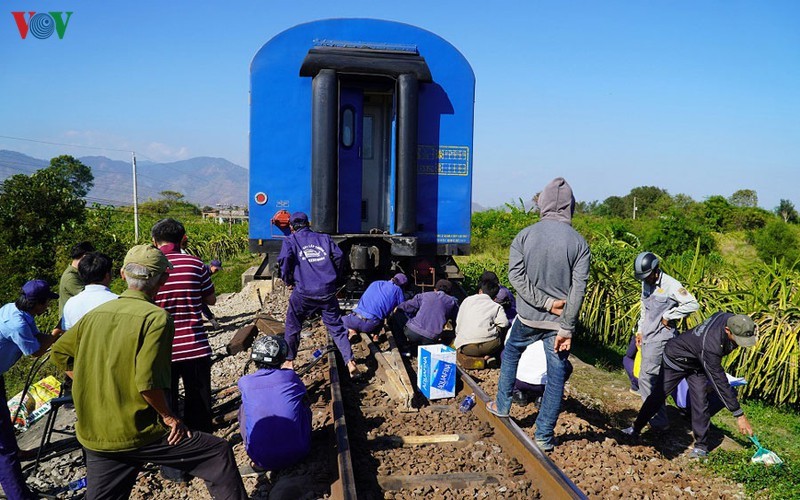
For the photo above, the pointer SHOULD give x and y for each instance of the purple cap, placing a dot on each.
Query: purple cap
(215, 263)
(38, 290)
(400, 279)
(298, 218)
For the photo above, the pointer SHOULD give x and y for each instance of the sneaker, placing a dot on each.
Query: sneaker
(698, 454)
(630, 431)
(545, 446)
(634, 391)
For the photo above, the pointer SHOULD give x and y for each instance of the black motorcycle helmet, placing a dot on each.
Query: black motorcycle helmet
(644, 265)
(269, 350)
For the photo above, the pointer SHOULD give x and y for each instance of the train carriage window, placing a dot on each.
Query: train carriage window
(367, 140)
(348, 127)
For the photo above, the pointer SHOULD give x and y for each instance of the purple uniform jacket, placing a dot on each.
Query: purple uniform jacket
(380, 298)
(310, 261)
(431, 311)
(275, 420)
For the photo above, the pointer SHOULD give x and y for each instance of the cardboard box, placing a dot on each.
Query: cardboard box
(436, 371)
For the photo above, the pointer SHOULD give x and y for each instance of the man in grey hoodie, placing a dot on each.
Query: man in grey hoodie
(548, 267)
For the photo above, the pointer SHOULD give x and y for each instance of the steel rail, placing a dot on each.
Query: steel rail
(344, 487)
(551, 481)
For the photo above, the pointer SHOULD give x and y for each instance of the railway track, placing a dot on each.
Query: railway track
(392, 444)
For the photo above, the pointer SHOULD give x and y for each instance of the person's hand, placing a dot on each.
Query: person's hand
(638, 340)
(562, 344)
(177, 430)
(288, 364)
(558, 307)
(744, 426)
(57, 332)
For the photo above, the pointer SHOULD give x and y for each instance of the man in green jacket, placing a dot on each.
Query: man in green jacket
(120, 357)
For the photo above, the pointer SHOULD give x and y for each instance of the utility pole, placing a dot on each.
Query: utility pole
(135, 201)
(634, 208)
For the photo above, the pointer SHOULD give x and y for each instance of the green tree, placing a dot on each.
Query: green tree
(36, 212)
(787, 211)
(651, 201)
(775, 241)
(170, 203)
(744, 198)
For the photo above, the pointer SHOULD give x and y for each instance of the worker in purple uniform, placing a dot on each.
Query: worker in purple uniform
(274, 419)
(378, 301)
(697, 356)
(421, 319)
(309, 263)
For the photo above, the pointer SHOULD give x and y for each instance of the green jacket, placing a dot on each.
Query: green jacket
(116, 351)
(69, 286)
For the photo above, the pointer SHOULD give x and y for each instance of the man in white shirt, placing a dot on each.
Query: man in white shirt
(95, 270)
(479, 322)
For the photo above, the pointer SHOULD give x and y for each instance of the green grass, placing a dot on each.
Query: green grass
(229, 279)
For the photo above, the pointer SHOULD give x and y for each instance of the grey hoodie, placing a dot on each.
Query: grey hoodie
(548, 261)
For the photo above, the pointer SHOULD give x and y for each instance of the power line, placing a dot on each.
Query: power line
(64, 144)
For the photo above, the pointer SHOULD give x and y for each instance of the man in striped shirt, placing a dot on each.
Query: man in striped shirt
(189, 287)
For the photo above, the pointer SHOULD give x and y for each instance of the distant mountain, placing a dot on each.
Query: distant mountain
(476, 207)
(202, 180)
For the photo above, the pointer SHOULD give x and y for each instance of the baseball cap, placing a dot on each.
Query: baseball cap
(743, 330)
(38, 290)
(215, 263)
(400, 279)
(149, 257)
(298, 218)
(444, 286)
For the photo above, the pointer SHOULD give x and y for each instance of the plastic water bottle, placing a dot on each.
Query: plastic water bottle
(78, 484)
(467, 404)
(318, 353)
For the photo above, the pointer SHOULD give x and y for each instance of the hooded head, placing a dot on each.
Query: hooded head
(556, 201)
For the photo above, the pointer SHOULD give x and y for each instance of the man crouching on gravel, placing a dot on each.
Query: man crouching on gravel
(120, 356)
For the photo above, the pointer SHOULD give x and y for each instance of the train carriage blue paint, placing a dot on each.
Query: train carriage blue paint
(280, 128)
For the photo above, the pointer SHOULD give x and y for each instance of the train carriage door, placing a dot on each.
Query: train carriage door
(364, 160)
(375, 155)
(350, 164)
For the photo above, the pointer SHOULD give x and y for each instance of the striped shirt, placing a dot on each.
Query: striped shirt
(182, 297)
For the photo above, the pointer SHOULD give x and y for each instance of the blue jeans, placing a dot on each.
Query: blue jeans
(519, 338)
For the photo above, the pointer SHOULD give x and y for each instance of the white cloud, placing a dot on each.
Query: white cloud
(163, 153)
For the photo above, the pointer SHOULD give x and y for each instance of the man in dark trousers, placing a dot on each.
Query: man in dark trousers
(697, 355)
(310, 263)
(548, 266)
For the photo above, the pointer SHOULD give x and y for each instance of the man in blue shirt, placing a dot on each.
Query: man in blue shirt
(421, 319)
(274, 419)
(378, 301)
(309, 263)
(19, 335)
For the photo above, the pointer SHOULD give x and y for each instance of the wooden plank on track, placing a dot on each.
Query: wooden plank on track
(430, 439)
(403, 391)
(550, 480)
(457, 480)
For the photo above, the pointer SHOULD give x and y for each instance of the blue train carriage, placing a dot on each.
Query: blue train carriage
(366, 125)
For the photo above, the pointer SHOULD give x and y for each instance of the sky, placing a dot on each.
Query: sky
(696, 97)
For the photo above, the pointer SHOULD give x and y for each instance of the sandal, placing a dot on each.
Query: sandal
(491, 407)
